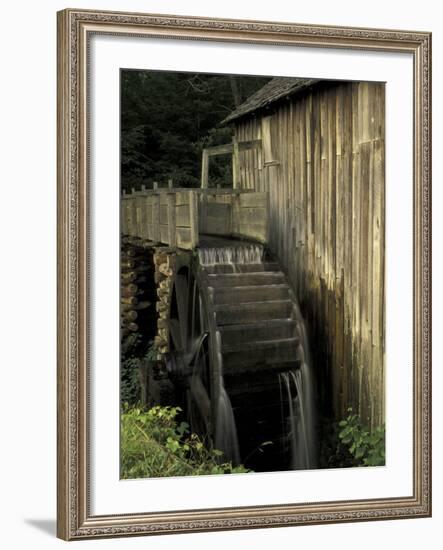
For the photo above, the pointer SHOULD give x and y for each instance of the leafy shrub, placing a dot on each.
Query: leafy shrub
(129, 368)
(129, 386)
(154, 444)
(367, 448)
(152, 353)
(332, 452)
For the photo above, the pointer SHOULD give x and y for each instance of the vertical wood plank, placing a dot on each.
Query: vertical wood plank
(236, 180)
(326, 224)
(193, 218)
(123, 216)
(156, 218)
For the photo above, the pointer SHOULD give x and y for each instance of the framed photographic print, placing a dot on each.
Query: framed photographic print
(244, 274)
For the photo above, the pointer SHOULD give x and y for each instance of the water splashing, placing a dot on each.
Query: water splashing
(225, 430)
(233, 256)
(300, 399)
(296, 388)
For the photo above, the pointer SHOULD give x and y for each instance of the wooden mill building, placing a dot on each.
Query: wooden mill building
(317, 149)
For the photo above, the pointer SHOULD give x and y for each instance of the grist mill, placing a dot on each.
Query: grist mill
(265, 300)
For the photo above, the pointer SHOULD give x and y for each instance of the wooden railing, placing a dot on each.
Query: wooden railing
(232, 149)
(176, 217)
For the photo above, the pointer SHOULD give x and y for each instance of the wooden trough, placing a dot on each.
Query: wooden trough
(177, 217)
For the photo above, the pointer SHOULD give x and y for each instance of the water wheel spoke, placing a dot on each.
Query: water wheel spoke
(194, 311)
(196, 350)
(176, 334)
(182, 299)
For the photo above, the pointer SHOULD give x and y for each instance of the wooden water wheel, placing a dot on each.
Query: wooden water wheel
(189, 358)
(232, 329)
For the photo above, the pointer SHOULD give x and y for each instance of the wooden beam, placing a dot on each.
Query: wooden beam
(205, 169)
(193, 216)
(235, 165)
(225, 149)
(155, 219)
(250, 144)
(171, 219)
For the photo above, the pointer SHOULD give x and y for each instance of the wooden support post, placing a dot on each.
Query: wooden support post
(155, 186)
(205, 169)
(193, 218)
(235, 214)
(172, 238)
(202, 211)
(143, 202)
(132, 218)
(138, 216)
(155, 218)
(123, 217)
(235, 165)
(170, 184)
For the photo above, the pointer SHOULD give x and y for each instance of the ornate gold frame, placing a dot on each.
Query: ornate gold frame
(74, 518)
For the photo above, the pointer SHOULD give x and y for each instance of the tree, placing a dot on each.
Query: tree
(167, 118)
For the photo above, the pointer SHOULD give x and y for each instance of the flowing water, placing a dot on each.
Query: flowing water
(300, 420)
(300, 417)
(226, 429)
(296, 389)
(233, 256)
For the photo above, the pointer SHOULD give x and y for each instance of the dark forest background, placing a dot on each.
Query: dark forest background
(168, 118)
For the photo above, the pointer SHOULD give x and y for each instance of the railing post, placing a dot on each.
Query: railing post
(123, 215)
(138, 216)
(172, 237)
(193, 217)
(132, 217)
(205, 169)
(156, 218)
(143, 201)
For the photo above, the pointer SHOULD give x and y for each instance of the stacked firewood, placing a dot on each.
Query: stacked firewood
(164, 270)
(136, 292)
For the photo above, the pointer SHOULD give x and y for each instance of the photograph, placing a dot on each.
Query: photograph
(252, 274)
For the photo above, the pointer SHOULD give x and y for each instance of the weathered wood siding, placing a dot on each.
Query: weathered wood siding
(166, 217)
(322, 162)
(242, 215)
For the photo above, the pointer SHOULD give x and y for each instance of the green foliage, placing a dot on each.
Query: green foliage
(367, 448)
(166, 120)
(155, 444)
(152, 353)
(129, 368)
(130, 344)
(129, 381)
(333, 453)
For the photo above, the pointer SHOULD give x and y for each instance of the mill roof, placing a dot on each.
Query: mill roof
(274, 90)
